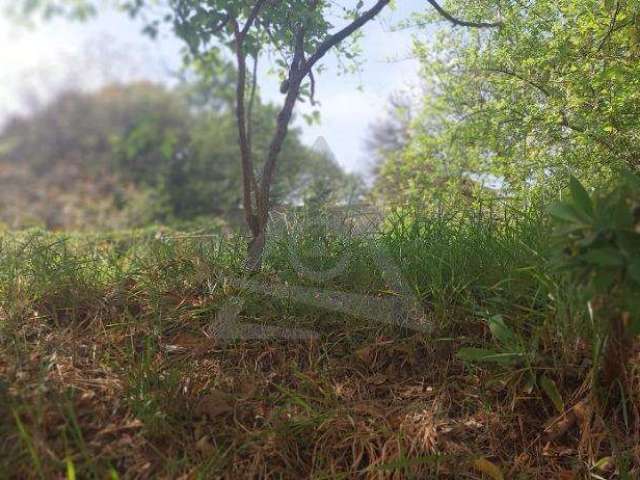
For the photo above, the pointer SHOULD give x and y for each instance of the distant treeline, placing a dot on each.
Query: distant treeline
(130, 155)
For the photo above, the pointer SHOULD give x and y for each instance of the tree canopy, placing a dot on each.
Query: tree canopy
(126, 140)
(554, 91)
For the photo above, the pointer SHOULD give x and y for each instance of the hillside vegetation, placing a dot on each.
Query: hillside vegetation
(131, 155)
(112, 366)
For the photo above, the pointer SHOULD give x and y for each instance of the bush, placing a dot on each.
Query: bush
(599, 239)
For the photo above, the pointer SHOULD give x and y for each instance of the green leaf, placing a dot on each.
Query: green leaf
(472, 355)
(71, 470)
(632, 179)
(629, 242)
(604, 257)
(502, 333)
(581, 197)
(588, 240)
(620, 214)
(604, 464)
(603, 280)
(529, 384)
(551, 389)
(568, 213)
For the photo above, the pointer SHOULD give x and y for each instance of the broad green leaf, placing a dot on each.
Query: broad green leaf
(71, 470)
(529, 384)
(471, 355)
(551, 389)
(568, 229)
(620, 214)
(629, 241)
(604, 257)
(604, 464)
(633, 179)
(588, 240)
(581, 197)
(603, 280)
(568, 213)
(502, 333)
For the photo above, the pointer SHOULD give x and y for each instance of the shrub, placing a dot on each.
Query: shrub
(598, 236)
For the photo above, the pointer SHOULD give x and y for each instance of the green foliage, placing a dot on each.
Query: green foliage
(555, 89)
(551, 389)
(512, 349)
(485, 285)
(204, 26)
(143, 153)
(599, 236)
(74, 9)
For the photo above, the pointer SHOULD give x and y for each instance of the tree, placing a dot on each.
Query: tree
(552, 92)
(387, 139)
(301, 34)
(144, 153)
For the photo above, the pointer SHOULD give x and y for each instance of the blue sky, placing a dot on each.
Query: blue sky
(37, 61)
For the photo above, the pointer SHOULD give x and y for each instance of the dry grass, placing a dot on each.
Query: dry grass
(117, 398)
(122, 378)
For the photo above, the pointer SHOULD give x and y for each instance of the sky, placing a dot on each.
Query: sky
(37, 61)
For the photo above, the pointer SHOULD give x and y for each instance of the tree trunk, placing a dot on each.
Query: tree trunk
(255, 250)
(260, 221)
(248, 180)
(299, 69)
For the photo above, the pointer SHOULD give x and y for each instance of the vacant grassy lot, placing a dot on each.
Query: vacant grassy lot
(112, 364)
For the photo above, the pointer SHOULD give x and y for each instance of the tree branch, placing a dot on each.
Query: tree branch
(513, 74)
(565, 121)
(297, 64)
(252, 99)
(296, 74)
(462, 23)
(335, 39)
(223, 22)
(248, 176)
(612, 26)
(298, 71)
(251, 18)
(312, 93)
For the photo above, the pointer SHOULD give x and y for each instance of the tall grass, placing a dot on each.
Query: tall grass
(460, 267)
(138, 293)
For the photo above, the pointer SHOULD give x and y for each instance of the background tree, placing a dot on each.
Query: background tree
(387, 138)
(131, 154)
(552, 92)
